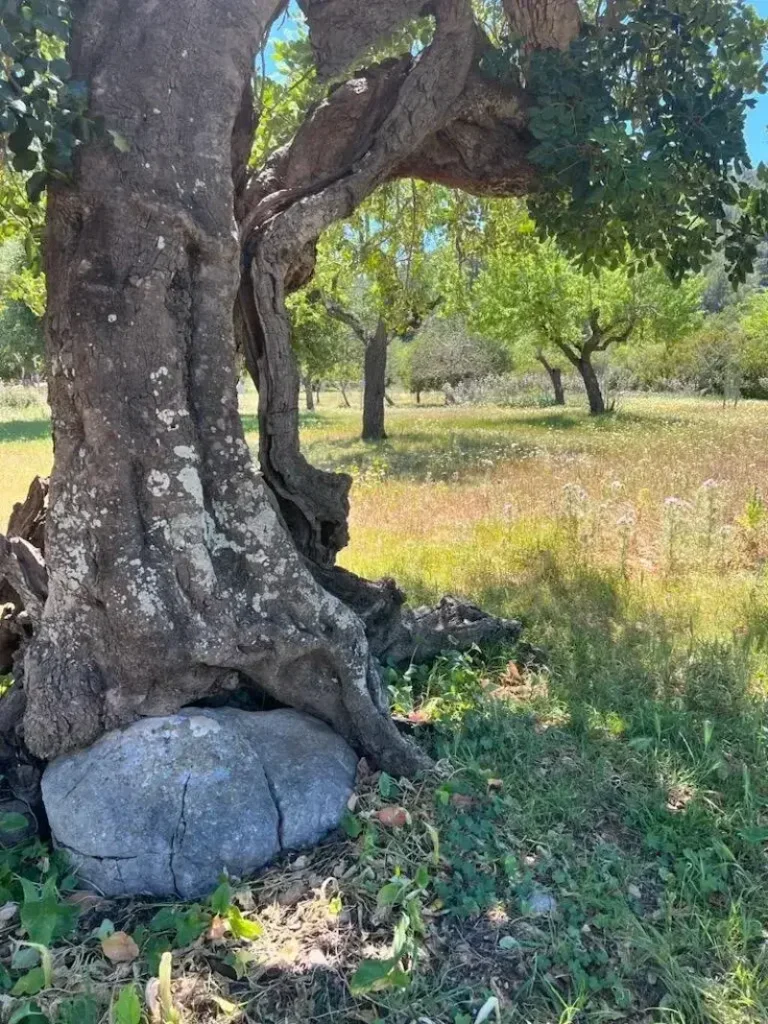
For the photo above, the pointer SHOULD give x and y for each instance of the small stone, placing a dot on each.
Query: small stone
(540, 902)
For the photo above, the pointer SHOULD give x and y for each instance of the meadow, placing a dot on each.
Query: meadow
(592, 846)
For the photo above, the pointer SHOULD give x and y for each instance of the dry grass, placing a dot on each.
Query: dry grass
(622, 774)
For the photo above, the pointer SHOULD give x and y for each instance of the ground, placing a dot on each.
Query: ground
(593, 845)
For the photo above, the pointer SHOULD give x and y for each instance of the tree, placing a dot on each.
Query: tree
(173, 572)
(532, 294)
(324, 348)
(381, 266)
(444, 353)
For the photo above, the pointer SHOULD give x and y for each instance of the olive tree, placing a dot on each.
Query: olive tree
(174, 570)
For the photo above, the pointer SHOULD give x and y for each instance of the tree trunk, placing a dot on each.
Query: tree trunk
(556, 378)
(309, 395)
(389, 401)
(555, 375)
(591, 385)
(418, 397)
(375, 384)
(345, 399)
(171, 575)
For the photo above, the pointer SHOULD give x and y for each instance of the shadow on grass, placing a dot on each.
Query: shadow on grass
(25, 430)
(417, 455)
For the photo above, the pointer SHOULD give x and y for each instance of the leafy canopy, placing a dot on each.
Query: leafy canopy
(534, 297)
(640, 132)
(42, 110)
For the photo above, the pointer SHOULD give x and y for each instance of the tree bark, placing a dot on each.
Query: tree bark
(375, 384)
(555, 375)
(171, 574)
(591, 385)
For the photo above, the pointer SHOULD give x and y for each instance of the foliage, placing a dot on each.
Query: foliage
(42, 110)
(445, 352)
(641, 113)
(325, 349)
(531, 296)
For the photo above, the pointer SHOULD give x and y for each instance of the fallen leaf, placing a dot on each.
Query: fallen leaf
(352, 802)
(463, 801)
(419, 717)
(8, 912)
(119, 948)
(218, 929)
(393, 817)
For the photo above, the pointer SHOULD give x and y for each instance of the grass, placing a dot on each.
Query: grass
(593, 845)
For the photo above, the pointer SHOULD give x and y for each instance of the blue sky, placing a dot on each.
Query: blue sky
(757, 119)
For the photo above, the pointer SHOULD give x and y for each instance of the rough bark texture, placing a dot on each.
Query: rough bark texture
(375, 384)
(591, 386)
(170, 571)
(23, 578)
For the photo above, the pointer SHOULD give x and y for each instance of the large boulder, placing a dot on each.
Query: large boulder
(164, 806)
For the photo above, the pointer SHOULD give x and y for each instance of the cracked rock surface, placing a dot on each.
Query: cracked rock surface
(164, 806)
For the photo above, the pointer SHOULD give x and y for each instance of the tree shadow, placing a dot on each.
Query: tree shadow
(25, 430)
(416, 455)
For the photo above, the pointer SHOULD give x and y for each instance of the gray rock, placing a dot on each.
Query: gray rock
(164, 806)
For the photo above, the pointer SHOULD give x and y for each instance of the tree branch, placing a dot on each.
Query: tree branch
(338, 312)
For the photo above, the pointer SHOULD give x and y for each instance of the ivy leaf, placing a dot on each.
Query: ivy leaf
(30, 984)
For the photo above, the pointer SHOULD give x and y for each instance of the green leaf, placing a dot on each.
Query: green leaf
(80, 1010)
(389, 894)
(351, 825)
(755, 835)
(242, 927)
(60, 68)
(36, 185)
(221, 899)
(26, 160)
(42, 916)
(13, 822)
(28, 1013)
(127, 1007)
(30, 984)
(375, 975)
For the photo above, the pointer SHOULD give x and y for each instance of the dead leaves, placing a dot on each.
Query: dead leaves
(119, 948)
(393, 816)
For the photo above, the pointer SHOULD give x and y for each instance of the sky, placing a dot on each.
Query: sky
(757, 119)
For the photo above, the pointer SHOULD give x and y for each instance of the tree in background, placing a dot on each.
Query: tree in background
(380, 266)
(325, 349)
(531, 295)
(444, 353)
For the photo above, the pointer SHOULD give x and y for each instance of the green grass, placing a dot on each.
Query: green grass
(611, 772)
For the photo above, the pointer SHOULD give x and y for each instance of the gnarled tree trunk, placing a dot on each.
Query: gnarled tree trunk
(375, 384)
(171, 574)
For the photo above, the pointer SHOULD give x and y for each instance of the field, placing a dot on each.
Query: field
(593, 844)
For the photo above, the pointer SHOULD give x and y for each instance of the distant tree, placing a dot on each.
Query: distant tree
(532, 296)
(326, 350)
(445, 353)
(377, 276)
